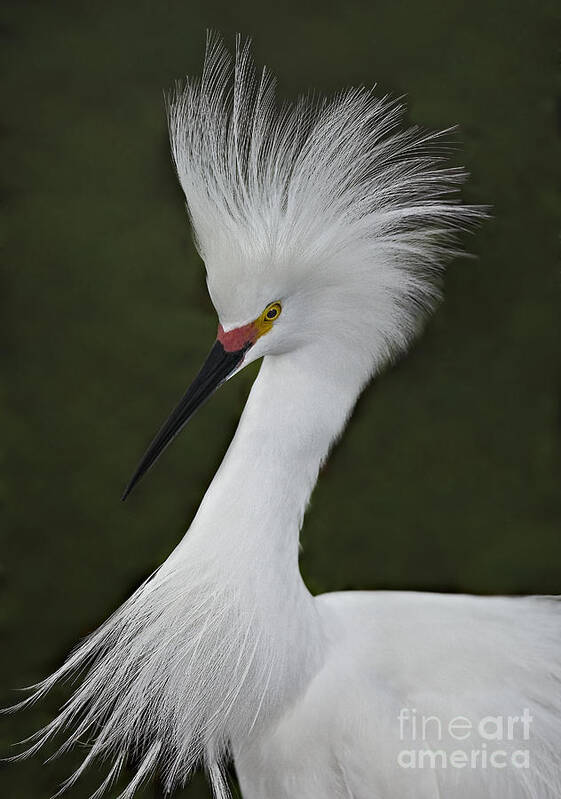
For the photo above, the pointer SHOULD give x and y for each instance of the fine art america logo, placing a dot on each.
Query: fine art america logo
(431, 742)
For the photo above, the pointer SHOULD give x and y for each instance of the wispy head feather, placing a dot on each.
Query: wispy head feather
(332, 191)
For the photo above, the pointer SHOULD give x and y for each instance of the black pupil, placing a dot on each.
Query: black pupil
(272, 313)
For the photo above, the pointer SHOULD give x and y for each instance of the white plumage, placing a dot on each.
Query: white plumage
(335, 213)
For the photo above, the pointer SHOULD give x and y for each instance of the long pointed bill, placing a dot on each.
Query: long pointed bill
(219, 365)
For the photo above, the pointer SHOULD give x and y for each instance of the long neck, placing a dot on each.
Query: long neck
(256, 502)
(249, 521)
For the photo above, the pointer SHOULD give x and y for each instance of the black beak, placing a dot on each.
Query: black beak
(215, 370)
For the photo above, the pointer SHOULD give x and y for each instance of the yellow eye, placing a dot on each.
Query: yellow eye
(264, 322)
(272, 311)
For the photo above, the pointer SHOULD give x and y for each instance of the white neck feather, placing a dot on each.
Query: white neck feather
(225, 632)
(246, 531)
(254, 507)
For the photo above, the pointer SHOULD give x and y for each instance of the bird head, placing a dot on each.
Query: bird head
(323, 224)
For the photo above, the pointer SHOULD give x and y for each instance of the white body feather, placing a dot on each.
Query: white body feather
(224, 651)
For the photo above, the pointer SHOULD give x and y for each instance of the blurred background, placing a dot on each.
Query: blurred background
(449, 476)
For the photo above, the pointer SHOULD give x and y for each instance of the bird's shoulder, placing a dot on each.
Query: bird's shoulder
(413, 639)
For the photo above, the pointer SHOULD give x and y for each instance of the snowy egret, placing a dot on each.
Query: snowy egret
(323, 226)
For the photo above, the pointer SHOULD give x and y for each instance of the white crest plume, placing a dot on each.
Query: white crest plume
(329, 189)
(334, 191)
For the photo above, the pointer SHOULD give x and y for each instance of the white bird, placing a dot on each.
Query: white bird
(323, 226)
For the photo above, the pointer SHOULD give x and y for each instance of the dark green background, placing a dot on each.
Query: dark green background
(449, 475)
